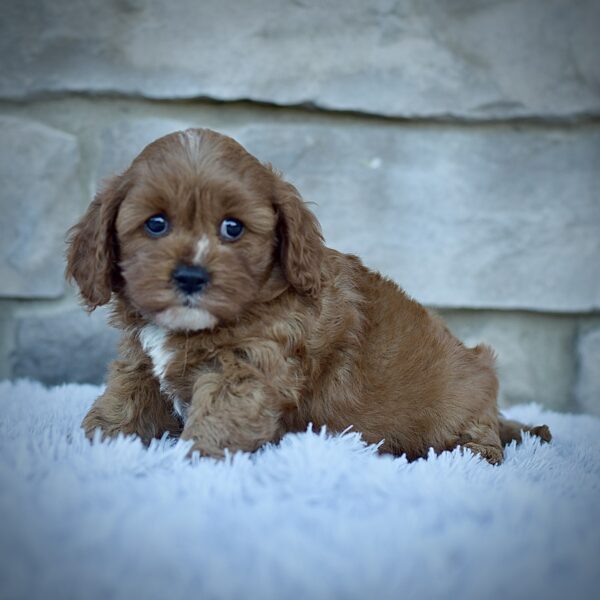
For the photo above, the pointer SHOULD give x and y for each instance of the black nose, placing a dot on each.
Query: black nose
(190, 279)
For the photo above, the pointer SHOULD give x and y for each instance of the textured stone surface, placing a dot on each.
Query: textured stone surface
(535, 359)
(38, 199)
(120, 144)
(491, 217)
(534, 353)
(468, 58)
(68, 346)
(6, 337)
(587, 390)
(483, 217)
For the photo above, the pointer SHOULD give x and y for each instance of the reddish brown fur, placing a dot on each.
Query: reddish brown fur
(296, 332)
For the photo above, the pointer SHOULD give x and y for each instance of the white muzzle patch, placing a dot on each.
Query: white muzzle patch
(183, 318)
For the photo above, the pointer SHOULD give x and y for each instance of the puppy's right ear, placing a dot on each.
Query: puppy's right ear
(92, 253)
(300, 239)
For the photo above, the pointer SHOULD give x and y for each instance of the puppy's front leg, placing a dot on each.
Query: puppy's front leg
(239, 407)
(131, 404)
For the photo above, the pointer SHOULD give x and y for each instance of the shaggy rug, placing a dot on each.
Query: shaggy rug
(316, 516)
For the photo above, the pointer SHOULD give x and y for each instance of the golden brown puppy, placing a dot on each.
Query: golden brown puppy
(239, 325)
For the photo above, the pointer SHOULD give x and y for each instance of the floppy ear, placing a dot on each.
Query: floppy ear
(300, 240)
(92, 252)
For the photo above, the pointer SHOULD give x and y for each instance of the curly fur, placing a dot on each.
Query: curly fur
(288, 332)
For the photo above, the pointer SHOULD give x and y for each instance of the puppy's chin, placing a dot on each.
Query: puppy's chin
(183, 318)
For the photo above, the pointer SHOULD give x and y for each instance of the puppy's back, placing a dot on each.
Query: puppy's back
(420, 384)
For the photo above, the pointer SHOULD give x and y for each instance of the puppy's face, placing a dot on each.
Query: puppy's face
(197, 239)
(191, 233)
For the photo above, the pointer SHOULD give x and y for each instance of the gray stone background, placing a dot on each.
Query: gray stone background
(454, 145)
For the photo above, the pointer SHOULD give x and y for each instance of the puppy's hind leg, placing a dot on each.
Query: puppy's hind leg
(510, 430)
(482, 438)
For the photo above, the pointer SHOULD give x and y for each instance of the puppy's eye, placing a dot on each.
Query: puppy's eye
(231, 229)
(157, 226)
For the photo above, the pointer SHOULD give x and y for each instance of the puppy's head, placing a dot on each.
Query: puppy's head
(191, 234)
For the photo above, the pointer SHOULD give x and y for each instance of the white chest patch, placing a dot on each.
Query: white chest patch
(153, 340)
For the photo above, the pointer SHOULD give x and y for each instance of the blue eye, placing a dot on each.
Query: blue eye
(231, 229)
(157, 226)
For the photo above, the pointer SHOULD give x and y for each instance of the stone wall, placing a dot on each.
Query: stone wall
(455, 146)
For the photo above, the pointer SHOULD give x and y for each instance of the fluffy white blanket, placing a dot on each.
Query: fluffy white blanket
(313, 517)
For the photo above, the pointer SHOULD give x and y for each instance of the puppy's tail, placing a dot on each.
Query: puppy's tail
(510, 430)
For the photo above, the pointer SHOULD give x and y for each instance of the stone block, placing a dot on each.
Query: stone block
(6, 337)
(534, 352)
(121, 143)
(407, 58)
(496, 217)
(38, 201)
(587, 389)
(482, 217)
(71, 346)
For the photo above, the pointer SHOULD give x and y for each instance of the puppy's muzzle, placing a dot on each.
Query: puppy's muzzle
(189, 279)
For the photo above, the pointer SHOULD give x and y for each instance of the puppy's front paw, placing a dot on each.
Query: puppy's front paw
(92, 422)
(493, 454)
(203, 451)
(212, 437)
(206, 440)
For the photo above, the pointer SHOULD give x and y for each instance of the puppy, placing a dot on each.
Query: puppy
(240, 325)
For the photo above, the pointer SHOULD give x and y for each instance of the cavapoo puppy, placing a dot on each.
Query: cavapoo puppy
(240, 325)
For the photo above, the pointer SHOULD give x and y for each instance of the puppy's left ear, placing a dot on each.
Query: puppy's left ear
(300, 240)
